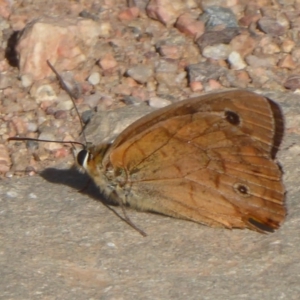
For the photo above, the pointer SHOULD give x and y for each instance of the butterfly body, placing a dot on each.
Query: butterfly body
(208, 159)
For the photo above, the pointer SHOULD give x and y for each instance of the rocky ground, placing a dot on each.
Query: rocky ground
(134, 56)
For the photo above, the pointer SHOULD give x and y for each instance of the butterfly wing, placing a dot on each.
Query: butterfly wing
(207, 159)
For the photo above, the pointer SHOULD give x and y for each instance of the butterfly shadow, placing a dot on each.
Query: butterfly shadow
(84, 185)
(77, 181)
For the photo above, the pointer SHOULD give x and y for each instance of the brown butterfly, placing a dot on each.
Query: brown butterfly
(208, 159)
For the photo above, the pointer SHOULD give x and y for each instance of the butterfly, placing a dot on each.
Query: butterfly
(209, 159)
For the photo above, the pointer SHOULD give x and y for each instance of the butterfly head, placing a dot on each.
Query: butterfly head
(90, 157)
(82, 158)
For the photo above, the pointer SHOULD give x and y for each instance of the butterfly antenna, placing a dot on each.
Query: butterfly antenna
(47, 141)
(71, 95)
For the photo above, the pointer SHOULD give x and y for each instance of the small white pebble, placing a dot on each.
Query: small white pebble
(157, 102)
(65, 105)
(236, 61)
(31, 126)
(94, 78)
(32, 196)
(26, 80)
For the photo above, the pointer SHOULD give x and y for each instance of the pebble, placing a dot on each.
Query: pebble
(94, 78)
(43, 93)
(139, 93)
(129, 14)
(167, 78)
(236, 61)
(165, 11)
(271, 26)
(157, 102)
(5, 10)
(65, 104)
(60, 40)
(93, 99)
(166, 66)
(218, 15)
(204, 71)
(217, 52)
(264, 61)
(259, 75)
(196, 86)
(268, 45)
(107, 62)
(140, 73)
(105, 29)
(170, 51)
(288, 45)
(287, 62)
(181, 78)
(243, 44)
(189, 26)
(26, 80)
(292, 82)
(60, 114)
(211, 38)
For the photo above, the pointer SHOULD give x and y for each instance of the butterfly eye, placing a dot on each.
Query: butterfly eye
(82, 157)
(232, 117)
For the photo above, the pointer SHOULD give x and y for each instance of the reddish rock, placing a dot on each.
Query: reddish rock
(243, 44)
(287, 62)
(129, 14)
(196, 86)
(65, 43)
(213, 85)
(170, 51)
(188, 25)
(108, 62)
(165, 11)
(5, 8)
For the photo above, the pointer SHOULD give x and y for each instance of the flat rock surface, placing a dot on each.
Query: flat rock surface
(57, 243)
